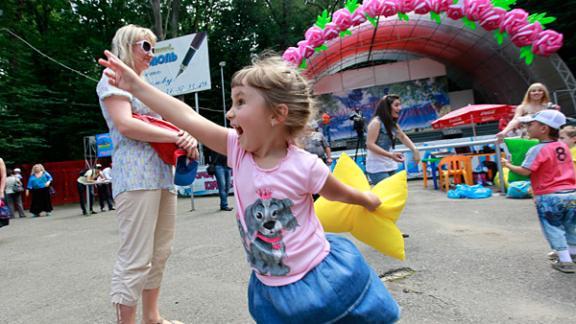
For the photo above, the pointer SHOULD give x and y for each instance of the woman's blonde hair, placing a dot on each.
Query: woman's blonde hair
(279, 84)
(38, 166)
(126, 37)
(545, 98)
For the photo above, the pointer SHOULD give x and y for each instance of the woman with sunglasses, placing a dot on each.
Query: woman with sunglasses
(142, 185)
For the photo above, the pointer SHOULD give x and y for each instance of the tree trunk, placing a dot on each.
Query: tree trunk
(174, 18)
(157, 14)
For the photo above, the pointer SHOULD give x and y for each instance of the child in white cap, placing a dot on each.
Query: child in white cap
(549, 165)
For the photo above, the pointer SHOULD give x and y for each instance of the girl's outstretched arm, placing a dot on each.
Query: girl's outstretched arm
(337, 191)
(172, 109)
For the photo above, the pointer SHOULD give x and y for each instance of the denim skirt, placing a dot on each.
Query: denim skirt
(341, 289)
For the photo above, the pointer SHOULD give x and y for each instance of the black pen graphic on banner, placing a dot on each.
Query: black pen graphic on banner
(194, 46)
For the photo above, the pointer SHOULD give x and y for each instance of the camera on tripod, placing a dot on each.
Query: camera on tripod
(357, 122)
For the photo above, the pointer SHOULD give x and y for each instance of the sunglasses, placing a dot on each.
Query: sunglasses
(146, 46)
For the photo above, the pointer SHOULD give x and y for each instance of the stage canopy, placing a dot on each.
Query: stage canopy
(473, 58)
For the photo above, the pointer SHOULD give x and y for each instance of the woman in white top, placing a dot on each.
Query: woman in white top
(383, 130)
(537, 98)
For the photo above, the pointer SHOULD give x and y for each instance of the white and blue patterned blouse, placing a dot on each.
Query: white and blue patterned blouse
(136, 164)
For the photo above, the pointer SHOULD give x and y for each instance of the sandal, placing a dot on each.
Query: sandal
(566, 267)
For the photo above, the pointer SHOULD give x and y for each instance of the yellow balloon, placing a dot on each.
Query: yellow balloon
(378, 228)
(505, 172)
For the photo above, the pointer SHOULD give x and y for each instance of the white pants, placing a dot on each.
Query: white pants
(146, 224)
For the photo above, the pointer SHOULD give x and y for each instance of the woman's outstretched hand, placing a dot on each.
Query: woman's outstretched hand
(120, 75)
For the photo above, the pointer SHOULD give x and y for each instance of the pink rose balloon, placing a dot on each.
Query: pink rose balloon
(389, 8)
(439, 6)
(373, 7)
(292, 56)
(423, 7)
(526, 34)
(315, 36)
(406, 6)
(473, 8)
(513, 20)
(331, 30)
(358, 16)
(492, 18)
(455, 12)
(547, 43)
(306, 50)
(342, 18)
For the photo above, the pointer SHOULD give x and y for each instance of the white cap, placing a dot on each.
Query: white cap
(549, 117)
(98, 166)
(17, 170)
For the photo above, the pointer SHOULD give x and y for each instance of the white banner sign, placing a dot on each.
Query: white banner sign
(181, 65)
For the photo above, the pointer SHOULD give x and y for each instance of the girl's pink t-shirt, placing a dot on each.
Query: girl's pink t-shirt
(280, 232)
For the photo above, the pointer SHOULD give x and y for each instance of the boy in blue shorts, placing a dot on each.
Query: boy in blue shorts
(549, 165)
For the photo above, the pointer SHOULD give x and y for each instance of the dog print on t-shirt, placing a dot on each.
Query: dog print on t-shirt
(266, 221)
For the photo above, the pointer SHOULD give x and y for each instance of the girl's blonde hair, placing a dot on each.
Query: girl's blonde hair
(126, 37)
(569, 130)
(545, 98)
(279, 84)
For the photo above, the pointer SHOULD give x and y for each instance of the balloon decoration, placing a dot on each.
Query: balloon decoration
(378, 228)
(528, 32)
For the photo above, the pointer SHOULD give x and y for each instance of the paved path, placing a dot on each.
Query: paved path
(480, 261)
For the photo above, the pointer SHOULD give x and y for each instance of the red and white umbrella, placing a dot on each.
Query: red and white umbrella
(474, 114)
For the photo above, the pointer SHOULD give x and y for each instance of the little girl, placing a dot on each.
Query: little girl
(300, 274)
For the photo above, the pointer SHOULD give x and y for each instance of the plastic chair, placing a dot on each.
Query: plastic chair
(457, 167)
(432, 162)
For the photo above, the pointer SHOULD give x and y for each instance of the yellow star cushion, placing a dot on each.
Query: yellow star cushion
(378, 228)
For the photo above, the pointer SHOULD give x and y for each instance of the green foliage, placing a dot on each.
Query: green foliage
(469, 23)
(351, 5)
(403, 16)
(345, 33)
(541, 18)
(527, 55)
(504, 4)
(373, 21)
(323, 19)
(435, 17)
(499, 36)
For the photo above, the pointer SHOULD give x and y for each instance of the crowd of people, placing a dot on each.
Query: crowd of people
(38, 188)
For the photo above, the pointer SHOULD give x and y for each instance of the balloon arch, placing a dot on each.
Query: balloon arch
(511, 47)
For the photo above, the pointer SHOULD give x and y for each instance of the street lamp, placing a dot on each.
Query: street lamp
(222, 65)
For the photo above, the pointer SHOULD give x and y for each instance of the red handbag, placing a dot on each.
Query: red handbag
(185, 172)
(168, 152)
